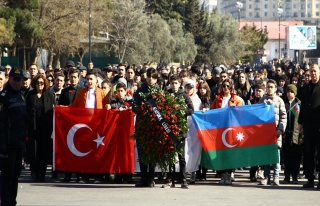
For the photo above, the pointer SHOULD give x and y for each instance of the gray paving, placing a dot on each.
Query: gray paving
(209, 192)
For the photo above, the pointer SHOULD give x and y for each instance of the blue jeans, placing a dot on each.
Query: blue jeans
(276, 166)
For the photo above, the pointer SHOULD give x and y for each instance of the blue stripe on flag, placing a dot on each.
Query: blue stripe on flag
(234, 116)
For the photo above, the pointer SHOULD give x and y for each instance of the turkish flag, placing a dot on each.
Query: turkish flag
(93, 140)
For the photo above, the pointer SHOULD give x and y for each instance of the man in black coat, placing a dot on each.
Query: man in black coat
(308, 124)
(147, 177)
(67, 96)
(13, 131)
(69, 93)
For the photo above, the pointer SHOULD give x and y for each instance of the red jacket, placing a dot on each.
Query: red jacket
(233, 101)
(81, 98)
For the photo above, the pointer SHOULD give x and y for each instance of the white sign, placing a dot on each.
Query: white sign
(302, 37)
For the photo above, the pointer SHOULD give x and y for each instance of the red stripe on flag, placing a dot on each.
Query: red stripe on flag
(237, 137)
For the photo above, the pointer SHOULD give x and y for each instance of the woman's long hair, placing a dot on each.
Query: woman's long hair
(35, 80)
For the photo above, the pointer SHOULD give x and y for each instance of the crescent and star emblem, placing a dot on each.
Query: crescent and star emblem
(70, 140)
(239, 136)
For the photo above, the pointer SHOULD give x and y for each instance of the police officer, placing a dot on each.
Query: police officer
(13, 129)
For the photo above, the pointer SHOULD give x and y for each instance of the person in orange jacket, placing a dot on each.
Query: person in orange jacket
(226, 98)
(90, 97)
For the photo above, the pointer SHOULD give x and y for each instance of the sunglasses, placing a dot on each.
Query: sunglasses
(226, 86)
(40, 83)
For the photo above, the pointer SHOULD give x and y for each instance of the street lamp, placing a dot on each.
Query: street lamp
(280, 11)
(239, 5)
(90, 31)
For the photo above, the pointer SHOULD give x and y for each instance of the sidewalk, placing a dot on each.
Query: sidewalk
(208, 192)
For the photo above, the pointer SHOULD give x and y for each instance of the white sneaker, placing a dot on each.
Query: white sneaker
(228, 180)
(264, 182)
(276, 182)
(223, 179)
(232, 177)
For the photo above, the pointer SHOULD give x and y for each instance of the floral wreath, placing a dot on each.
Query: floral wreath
(154, 144)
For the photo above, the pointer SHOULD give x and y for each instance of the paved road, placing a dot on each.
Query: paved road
(208, 192)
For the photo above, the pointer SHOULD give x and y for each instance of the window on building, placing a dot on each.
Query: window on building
(303, 14)
(317, 13)
(317, 5)
(266, 6)
(250, 14)
(250, 6)
(309, 14)
(309, 6)
(303, 6)
(295, 14)
(265, 14)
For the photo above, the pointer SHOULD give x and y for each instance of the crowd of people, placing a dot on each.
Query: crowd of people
(27, 98)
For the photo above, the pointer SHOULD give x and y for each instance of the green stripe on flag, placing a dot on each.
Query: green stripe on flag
(294, 112)
(240, 157)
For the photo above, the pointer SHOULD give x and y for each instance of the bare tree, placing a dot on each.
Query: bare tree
(127, 27)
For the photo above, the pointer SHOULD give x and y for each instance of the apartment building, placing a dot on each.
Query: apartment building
(255, 10)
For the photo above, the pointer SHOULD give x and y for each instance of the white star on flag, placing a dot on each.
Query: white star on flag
(240, 136)
(99, 140)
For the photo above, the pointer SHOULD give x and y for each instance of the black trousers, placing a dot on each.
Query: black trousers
(147, 176)
(311, 145)
(182, 166)
(292, 158)
(10, 172)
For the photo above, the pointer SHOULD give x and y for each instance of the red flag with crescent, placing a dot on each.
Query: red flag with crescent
(93, 140)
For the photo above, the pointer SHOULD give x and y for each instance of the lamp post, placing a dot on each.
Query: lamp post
(90, 31)
(239, 5)
(280, 11)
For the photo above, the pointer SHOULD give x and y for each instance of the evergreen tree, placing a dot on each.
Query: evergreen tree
(253, 39)
(196, 24)
(167, 9)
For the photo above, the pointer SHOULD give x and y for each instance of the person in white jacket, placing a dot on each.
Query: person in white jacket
(193, 146)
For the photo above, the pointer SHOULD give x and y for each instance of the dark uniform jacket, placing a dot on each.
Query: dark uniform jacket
(68, 94)
(310, 108)
(13, 119)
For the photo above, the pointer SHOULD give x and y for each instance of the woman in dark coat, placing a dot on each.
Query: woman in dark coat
(40, 146)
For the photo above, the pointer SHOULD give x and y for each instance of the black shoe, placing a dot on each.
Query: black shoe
(151, 184)
(54, 175)
(97, 181)
(184, 185)
(141, 184)
(66, 179)
(286, 181)
(318, 185)
(309, 185)
(82, 180)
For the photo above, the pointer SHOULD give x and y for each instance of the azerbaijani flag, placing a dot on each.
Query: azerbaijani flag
(237, 136)
(296, 110)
